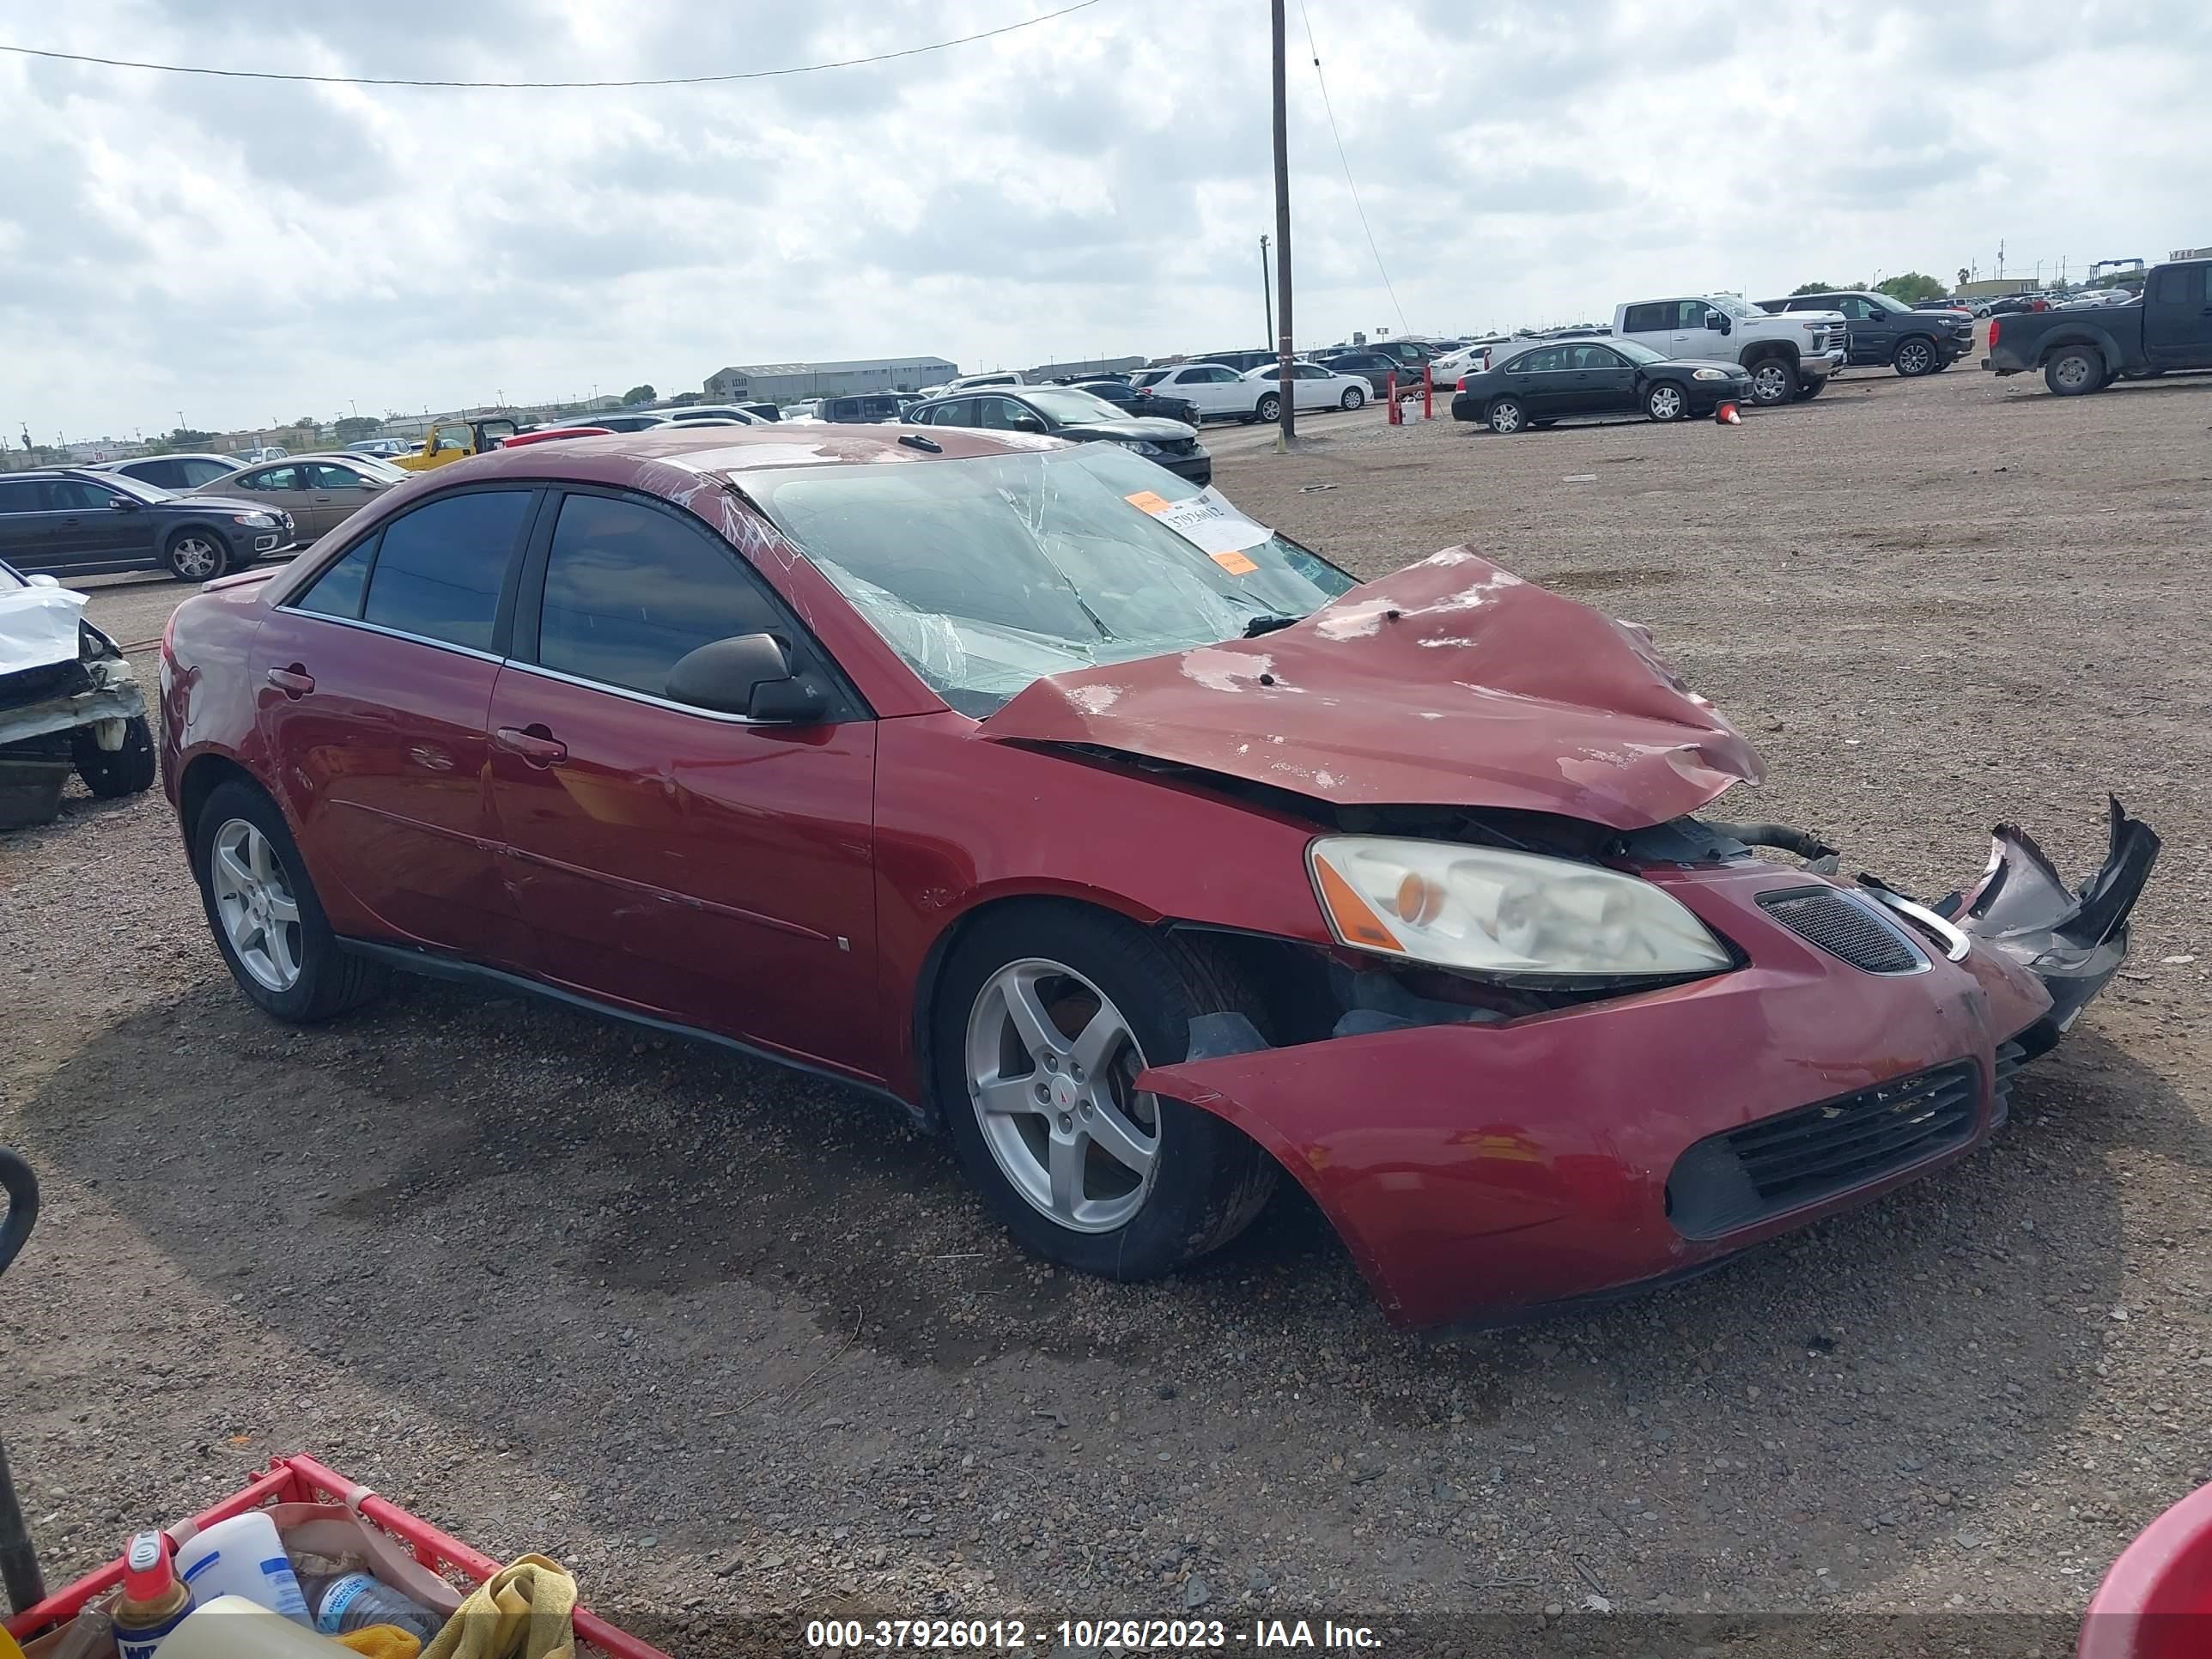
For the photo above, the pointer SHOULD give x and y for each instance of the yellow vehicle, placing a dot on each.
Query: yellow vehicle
(456, 441)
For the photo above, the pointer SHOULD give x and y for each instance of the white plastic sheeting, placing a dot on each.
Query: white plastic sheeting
(38, 626)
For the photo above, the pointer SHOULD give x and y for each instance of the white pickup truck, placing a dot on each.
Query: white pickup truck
(1791, 356)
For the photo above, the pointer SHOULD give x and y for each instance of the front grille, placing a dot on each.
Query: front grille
(1846, 925)
(1779, 1164)
(2010, 1057)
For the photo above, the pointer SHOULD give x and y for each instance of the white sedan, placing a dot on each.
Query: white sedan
(1318, 387)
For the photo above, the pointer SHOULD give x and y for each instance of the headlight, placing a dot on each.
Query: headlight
(1143, 447)
(1490, 911)
(1709, 374)
(259, 521)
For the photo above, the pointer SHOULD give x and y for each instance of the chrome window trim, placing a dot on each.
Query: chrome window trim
(391, 633)
(635, 696)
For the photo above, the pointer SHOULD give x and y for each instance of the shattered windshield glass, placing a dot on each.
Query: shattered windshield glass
(988, 574)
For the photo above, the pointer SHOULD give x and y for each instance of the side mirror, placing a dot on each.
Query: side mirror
(42, 579)
(747, 674)
(1717, 320)
(123, 503)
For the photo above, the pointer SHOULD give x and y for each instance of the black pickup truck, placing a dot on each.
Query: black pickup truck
(2086, 350)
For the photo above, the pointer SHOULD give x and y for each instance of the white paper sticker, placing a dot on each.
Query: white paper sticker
(1206, 521)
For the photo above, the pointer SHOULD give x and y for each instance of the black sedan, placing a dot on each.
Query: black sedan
(68, 521)
(1545, 382)
(1137, 400)
(1061, 411)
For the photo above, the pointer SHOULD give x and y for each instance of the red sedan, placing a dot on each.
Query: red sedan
(1132, 843)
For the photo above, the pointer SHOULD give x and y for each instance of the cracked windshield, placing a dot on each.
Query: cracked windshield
(986, 574)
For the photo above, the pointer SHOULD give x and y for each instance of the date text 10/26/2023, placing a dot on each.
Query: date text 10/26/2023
(1128, 1635)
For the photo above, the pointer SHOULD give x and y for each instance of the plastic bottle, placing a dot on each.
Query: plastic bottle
(243, 1555)
(232, 1627)
(354, 1601)
(155, 1600)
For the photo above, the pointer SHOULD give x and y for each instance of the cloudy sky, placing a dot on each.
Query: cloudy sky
(241, 252)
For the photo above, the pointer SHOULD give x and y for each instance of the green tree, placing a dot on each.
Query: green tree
(1912, 288)
(1965, 275)
(185, 438)
(351, 429)
(1812, 288)
(639, 394)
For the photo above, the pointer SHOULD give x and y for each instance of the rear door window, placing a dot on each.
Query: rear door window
(1649, 318)
(22, 496)
(440, 570)
(190, 475)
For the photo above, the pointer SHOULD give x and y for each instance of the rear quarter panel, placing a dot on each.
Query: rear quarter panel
(207, 695)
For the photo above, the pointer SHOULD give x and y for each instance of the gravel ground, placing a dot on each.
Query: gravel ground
(730, 1341)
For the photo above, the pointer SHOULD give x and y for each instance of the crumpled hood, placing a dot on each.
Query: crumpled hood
(1451, 683)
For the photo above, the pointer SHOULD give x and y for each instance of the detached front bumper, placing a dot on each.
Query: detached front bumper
(1475, 1170)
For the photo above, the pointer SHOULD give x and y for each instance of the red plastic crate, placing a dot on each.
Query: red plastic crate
(304, 1481)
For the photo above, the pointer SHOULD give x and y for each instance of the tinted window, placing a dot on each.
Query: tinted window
(1217, 375)
(170, 475)
(630, 591)
(76, 496)
(1310, 372)
(440, 570)
(1546, 361)
(22, 496)
(337, 590)
(273, 477)
(2178, 285)
(190, 475)
(961, 411)
(1005, 415)
(1650, 319)
(1592, 357)
(321, 476)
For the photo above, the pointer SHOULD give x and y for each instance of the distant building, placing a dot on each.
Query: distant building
(783, 383)
(2191, 253)
(1995, 288)
(1087, 366)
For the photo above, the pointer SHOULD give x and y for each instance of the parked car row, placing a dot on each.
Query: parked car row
(78, 521)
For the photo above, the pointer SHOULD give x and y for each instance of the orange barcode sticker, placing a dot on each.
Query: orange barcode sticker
(1146, 502)
(1234, 564)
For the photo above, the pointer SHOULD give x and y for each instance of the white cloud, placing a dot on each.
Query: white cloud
(244, 251)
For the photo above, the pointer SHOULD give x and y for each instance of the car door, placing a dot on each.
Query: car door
(695, 865)
(1215, 389)
(374, 683)
(25, 537)
(280, 489)
(1538, 379)
(1690, 338)
(2178, 317)
(96, 529)
(335, 493)
(1598, 381)
(1313, 387)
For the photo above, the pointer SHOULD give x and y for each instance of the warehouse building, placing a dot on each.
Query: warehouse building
(783, 383)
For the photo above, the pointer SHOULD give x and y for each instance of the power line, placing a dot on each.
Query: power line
(538, 86)
(1308, 19)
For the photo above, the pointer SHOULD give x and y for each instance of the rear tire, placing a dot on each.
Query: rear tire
(326, 980)
(1205, 1180)
(194, 555)
(1268, 409)
(111, 773)
(1506, 417)
(1916, 355)
(1352, 398)
(1810, 386)
(1773, 381)
(2076, 371)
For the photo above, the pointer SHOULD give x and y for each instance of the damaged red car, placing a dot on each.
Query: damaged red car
(1137, 847)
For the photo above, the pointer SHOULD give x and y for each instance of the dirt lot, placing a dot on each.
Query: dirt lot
(726, 1339)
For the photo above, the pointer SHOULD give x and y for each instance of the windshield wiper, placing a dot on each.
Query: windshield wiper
(1259, 625)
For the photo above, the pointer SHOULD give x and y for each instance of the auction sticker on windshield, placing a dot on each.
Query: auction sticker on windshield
(1208, 523)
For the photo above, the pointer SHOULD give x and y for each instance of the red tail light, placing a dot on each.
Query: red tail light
(1995, 324)
(1462, 383)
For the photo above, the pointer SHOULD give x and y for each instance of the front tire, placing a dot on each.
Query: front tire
(1772, 381)
(2076, 371)
(1665, 401)
(194, 555)
(1810, 386)
(1352, 398)
(1268, 409)
(1044, 1017)
(111, 773)
(1915, 357)
(263, 910)
(1507, 416)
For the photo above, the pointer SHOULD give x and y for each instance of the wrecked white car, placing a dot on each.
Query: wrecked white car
(68, 702)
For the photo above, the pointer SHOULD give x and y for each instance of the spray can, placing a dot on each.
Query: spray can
(155, 1600)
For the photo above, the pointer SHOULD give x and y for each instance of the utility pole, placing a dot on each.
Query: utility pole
(1267, 290)
(1289, 434)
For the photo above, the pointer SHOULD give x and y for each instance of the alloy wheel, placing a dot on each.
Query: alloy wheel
(1665, 404)
(194, 557)
(1052, 1067)
(1913, 357)
(254, 899)
(1505, 417)
(1770, 382)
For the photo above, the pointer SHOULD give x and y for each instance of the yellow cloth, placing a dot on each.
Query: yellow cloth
(382, 1642)
(524, 1611)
